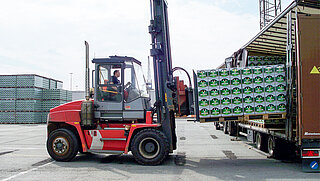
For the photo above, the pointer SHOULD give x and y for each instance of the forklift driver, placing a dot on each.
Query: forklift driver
(115, 76)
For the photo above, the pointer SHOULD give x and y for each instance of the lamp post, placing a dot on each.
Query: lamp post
(70, 81)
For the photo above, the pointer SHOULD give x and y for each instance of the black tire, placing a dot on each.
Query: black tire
(62, 145)
(225, 127)
(150, 147)
(232, 128)
(271, 146)
(217, 125)
(260, 141)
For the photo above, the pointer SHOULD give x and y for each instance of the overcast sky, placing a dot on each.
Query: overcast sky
(46, 37)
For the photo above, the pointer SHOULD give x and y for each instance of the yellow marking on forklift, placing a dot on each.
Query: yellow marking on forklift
(110, 91)
(76, 122)
(133, 125)
(315, 70)
(165, 96)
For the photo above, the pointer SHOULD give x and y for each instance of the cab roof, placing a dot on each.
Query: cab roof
(116, 59)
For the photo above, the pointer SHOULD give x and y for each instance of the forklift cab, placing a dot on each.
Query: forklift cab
(120, 89)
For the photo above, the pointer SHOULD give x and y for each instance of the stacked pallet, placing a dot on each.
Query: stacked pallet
(29, 98)
(254, 90)
(266, 60)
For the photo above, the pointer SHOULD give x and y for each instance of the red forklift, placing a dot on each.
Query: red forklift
(118, 118)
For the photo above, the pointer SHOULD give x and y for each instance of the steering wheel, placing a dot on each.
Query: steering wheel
(127, 85)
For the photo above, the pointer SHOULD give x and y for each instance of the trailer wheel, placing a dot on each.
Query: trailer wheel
(217, 125)
(271, 146)
(260, 141)
(62, 145)
(150, 147)
(225, 127)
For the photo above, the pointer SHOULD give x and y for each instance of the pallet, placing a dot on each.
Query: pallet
(265, 116)
(221, 119)
(260, 125)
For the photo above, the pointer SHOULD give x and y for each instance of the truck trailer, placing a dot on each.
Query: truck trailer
(293, 37)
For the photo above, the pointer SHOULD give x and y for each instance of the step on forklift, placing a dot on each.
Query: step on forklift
(118, 118)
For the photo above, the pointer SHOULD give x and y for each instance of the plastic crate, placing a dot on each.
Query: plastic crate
(8, 81)
(7, 105)
(28, 117)
(7, 117)
(28, 105)
(29, 93)
(7, 93)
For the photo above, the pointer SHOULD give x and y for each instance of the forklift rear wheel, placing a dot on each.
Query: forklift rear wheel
(150, 147)
(62, 145)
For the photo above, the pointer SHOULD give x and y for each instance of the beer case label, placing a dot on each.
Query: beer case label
(204, 112)
(269, 79)
(247, 80)
(224, 82)
(224, 72)
(248, 109)
(269, 89)
(213, 73)
(281, 98)
(280, 78)
(214, 102)
(236, 91)
(268, 70)
(259, 99)
(235, 81)
(203, 83)
(258, 90)
(203, 102)
(203, 93)
(215, 111)
(280, 69)
(259, 109)
(235, 72)
(257, 71)
(281, 107)
(237, 110)
(246, 71)
(248, 100)
(258, 80)
(281, 88)
(202, 74)
(225, 92)
(247, 90)
(226, 111)
(213, 83)
(271, 108)
(226, 101)
(237, 100)
(214, 92)
(270, 98)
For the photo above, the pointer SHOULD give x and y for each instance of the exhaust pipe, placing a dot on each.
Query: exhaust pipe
(87, 87)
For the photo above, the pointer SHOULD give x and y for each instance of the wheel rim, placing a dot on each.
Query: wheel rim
(60, 146)
(258, 140)
(149, 148)
(270, 146)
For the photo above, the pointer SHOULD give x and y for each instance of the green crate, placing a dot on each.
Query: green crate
(28, 105)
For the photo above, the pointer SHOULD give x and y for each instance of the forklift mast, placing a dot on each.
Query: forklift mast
(163, 74)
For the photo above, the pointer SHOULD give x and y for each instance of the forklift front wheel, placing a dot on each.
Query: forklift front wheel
(62, 145)
(150, 147)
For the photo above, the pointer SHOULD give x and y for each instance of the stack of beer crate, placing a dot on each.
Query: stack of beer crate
(253, 90)
(265, 60)
(23, 98)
